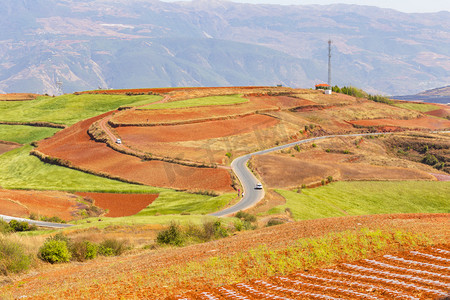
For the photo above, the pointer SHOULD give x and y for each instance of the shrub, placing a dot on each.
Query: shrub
(314, 145)
(297, 148)
(274, 222)
(112, 247)
(430, 159)
(4, 227)
(21, 226)
(228, 154)
(171, 236)
(245, 216)
(54, 251)
(53, 219)
(330, 178)
(13, 258)
(83, 250)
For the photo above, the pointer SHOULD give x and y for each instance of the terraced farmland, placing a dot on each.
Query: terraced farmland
(412, 275)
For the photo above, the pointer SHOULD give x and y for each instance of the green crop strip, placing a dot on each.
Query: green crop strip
(365, 198)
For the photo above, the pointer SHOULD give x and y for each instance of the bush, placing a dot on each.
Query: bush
(4, 227)
(245, 216)
(13, 258)
(430, 159)
(112, 247)
(171, 236)
(54, 251)
(274, 222)
(21, 226)
(83, 250)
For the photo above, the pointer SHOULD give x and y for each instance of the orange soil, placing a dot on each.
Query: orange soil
(17, 97)
(44, 203)
(195, 131)
(350, 281)
(287, 172)
(5, 147)
(442, 113)
(168, 116)
(74, 144)
(130, 276)
(121, 205)
(420, 123)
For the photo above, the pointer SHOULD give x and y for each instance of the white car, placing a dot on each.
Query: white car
(258, 186)
(118, 141)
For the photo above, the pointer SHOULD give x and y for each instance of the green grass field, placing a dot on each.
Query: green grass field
(25, 134)
(417, 106)
(177, 203)
(23, 171)
(67, 109)
(205, 101)
(365, 198)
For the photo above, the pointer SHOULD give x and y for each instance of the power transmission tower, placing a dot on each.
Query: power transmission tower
(329, 63)
(59, 85)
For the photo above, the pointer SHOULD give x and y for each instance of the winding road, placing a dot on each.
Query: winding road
(37, 223)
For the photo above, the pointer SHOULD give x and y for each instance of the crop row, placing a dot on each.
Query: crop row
(388, 277)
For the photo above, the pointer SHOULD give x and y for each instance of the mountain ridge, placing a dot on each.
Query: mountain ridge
(83, 44)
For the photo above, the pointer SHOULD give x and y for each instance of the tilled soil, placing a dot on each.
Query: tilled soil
(44, 203)
(196, 131)
(420, 123)
(6, 146)
(121, 205)
(423, 274)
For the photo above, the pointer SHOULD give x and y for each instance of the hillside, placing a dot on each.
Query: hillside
(139, 173)
(133, 44)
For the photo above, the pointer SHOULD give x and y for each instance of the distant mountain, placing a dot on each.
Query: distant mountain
(147, 43)
(439, 92)
(438, 95)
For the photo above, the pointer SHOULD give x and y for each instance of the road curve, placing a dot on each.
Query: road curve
(37, 223)
(248, 181)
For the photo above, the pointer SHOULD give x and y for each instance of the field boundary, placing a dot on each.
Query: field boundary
(36, 124)
(65, 163)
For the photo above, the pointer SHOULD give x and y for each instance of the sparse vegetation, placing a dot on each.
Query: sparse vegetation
(13, 257)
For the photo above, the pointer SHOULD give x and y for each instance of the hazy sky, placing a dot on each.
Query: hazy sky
(401, 5)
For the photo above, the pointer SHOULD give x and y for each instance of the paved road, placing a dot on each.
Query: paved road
(251, 195)
(37, 223)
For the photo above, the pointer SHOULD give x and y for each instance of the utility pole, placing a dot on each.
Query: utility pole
(329, 63)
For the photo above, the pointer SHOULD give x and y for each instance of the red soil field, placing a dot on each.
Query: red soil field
(7, 146)
(420, 123)
(121, 205)
(196, 114)
(442, 113)
(195, 131)
(74, 145)
(44, 203)
(421, 274)
(129, 276)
